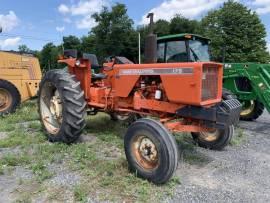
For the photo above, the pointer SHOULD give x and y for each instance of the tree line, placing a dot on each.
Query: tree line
(235, 31)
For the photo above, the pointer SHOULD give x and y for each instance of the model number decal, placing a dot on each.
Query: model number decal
(157, 71)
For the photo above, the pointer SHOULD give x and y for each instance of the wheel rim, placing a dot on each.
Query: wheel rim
(248, 108)
(145, 152)
(5, 99)
(51, 108)
(210, 136)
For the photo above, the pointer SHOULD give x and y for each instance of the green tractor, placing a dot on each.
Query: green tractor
(249, 82)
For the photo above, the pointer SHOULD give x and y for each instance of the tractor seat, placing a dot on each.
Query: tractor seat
(93, 60)
(94, 66)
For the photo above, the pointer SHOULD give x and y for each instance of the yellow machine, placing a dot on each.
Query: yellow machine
(19, 80)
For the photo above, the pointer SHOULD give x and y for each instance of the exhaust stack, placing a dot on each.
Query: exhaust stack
(151, 42)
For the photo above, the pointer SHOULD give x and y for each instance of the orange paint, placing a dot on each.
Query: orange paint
(180, 84)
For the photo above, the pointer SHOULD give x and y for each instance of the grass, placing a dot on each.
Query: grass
(40, 170)
(14, 160)
(239, 137)
(81, 193)
(100, 163)
(25, 114)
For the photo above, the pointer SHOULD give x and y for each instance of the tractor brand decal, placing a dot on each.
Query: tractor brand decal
(157, 71)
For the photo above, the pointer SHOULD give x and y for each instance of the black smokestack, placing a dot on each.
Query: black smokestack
(151, 42)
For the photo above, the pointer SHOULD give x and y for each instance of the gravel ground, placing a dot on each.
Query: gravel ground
(237, 174)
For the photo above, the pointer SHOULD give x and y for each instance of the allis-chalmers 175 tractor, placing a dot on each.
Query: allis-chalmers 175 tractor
(183, 97)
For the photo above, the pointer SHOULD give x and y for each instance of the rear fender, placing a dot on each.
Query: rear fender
(82, 70)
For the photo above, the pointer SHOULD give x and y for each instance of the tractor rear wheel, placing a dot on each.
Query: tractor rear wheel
(61, 106)
(217, 139)
(151, 151)
(251, 110)
(10, 97)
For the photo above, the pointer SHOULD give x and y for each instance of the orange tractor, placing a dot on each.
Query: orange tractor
(183, 97)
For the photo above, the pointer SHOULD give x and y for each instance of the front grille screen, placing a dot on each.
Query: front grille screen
(209, 83)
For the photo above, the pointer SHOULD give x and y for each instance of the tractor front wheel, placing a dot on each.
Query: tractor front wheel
(151, 151)
(251, 110)
(61, 106)
(216, 140)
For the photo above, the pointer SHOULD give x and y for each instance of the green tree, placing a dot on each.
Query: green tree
(88, 44)
(236, 31)
(24, 49)
(49, 56)
(114, 34)
(180, 24)
(162, 27)
(72, 42)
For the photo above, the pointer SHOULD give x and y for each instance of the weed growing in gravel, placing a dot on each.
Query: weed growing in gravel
(40, 170)
(239, 137)
(80, 193)
(15, 160)
(2, 170)
(22, 138)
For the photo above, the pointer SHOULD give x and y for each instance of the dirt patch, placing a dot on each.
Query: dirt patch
(87, 138)
(3, 135)
(63, 177)
(10, 183)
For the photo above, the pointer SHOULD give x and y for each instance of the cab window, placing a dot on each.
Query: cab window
(161, 53)
(176, 52)
(199, 51)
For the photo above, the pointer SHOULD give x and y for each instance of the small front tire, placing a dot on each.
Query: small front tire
(151, 151)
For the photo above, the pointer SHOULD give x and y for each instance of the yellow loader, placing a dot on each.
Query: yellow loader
(20, 76)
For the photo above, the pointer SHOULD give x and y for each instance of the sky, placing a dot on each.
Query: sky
(36, 23)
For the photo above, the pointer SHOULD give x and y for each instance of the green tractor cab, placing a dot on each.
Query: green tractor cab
(183, 48)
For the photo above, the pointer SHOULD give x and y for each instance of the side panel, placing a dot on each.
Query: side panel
(182, 81)
(22, 71)
(184, 88)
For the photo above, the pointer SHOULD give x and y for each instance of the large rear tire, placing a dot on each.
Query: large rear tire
(151, 151)
(10, 98)
(61, 106)
(216, 140)
(252, 110)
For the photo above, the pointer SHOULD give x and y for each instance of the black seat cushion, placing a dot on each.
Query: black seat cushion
(93, 60)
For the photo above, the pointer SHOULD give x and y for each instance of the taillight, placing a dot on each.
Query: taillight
(209, 82)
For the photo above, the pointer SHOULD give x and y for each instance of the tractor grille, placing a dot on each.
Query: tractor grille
(210, 83)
